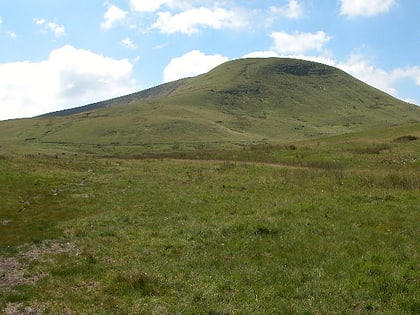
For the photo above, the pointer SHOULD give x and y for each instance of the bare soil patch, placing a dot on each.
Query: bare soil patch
(12, 272)
(12, 268)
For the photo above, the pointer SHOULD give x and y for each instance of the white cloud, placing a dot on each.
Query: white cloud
(360, 67)
(191, 64)
(299, 43)
(11, 34)
(40, 21)
(293, 10)
(69, 77)
(112, 16)
(57, 30)
(354, 8)
(128, 43)
(261, 54)
(191, 21)
(409, 72)
(148, 5)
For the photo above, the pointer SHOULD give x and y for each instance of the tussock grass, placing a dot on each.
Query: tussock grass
(392, 180)
(134, 282)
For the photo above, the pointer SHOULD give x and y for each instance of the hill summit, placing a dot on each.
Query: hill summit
(245, 100)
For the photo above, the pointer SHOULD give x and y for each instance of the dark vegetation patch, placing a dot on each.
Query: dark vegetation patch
(405, 139)
(241, 91)
(324, 165)
(135, 282)
(402, 181)
(371, 149)
(218, 313)
(300, 68)
(262, 231)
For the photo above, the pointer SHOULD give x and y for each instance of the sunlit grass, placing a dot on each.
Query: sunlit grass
(317, 227)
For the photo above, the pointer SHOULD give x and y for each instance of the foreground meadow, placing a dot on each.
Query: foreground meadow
(319, 228)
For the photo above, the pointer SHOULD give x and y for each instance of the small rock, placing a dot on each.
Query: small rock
(55, 192)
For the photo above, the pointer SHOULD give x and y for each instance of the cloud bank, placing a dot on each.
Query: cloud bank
(191, 64)
(191, 21)
(298, 43)
(69, 77)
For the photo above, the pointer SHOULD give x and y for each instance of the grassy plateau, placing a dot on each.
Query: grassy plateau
(220, 194)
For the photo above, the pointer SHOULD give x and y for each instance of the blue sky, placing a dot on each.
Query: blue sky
(57, 54)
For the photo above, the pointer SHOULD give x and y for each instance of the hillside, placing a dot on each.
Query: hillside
(240, 102)
(159, 91)
(219, 194)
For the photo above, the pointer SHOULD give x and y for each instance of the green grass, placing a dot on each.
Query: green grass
(328, 226)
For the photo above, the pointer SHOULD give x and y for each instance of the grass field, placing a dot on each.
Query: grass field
(329, 226)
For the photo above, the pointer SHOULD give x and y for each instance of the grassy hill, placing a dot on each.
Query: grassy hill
(240, 102)
(301, 196)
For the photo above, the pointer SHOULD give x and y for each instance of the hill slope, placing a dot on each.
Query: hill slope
(159, 91)
(246, 100)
